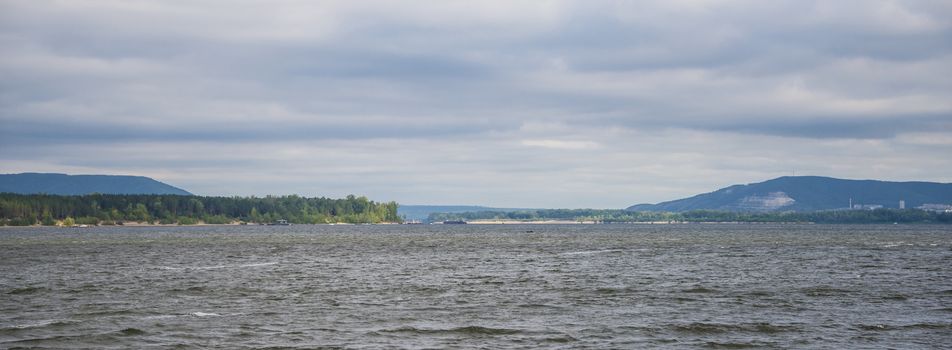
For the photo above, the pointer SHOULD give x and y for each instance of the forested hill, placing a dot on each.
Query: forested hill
(810, 193)
(62, 184)
(17, 209)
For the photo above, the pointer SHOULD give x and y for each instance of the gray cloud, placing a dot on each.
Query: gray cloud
(846, 128)
(480, 96)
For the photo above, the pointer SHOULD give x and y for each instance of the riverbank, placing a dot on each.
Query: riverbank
(146, 224)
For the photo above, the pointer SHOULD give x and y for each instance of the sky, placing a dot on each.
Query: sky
(531, 104)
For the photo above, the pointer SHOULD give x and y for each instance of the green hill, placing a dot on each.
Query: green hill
(809, 193)
(66, 185)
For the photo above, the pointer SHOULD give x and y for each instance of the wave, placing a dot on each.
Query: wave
(108, 337)
(467, 330)
(27, 290)
(40, 324)
(259, 264)
(894, 244)
(132, 331)
(699, 290)
(193, 290)
(717, 328)
(825, 291)
(89, 287)
(540, 306)
(587, 252)
(159, 317)
(886, 327)
(101, 313)
(895, 296)
(215, 267)
(561, 339)
(716, 345)
(194, 314)
(760, 293)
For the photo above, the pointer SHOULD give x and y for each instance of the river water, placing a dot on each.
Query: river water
(477, 286)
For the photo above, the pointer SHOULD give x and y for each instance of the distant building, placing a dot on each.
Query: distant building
(867, 206)
(940, 208)
(902, 204)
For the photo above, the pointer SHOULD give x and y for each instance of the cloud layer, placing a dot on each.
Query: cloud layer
(519, 104)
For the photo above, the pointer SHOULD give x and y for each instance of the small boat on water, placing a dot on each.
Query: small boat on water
(281, 222)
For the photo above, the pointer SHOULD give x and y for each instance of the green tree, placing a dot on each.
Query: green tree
(47, 217)
(254, 215)
(140, 213)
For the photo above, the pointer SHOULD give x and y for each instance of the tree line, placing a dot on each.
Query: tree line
(107, 209)
(621, 215)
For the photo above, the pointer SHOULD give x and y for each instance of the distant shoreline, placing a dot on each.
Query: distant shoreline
(518, 222)
(147, 210)
(571, 222)
(501, 223)
(145, 224)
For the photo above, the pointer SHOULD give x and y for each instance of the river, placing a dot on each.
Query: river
(477, 286)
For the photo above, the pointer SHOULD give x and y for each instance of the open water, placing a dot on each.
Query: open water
(477, 286)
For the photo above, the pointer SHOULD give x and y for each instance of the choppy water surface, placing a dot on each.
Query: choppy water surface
(475, 286)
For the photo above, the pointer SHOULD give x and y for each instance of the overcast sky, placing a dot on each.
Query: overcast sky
(600, 104)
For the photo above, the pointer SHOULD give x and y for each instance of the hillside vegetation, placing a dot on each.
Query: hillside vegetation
(809, 193)
(18, 209)
(62, 184)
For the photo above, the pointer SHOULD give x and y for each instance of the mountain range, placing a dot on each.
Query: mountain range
(810, 193)
(788, 193)
(62, 184)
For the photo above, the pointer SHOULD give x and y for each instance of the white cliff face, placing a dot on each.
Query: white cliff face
(770, 201)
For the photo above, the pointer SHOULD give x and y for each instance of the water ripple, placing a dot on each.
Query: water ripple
(477, 286)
